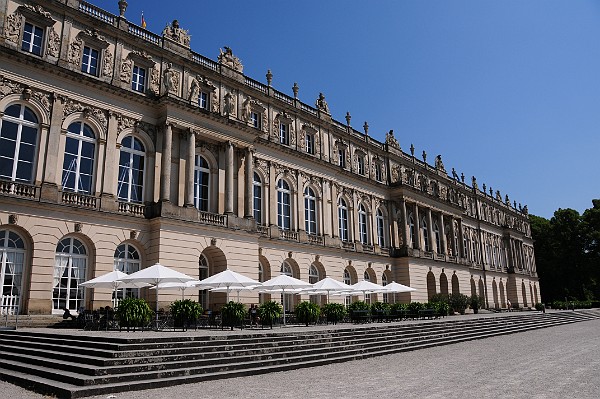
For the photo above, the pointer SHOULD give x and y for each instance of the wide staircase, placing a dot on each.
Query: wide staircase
(73, 366)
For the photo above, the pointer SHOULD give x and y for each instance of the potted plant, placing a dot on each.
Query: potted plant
(380, 310)
(308, 312)
(334, 312)
(459, 303)
(185, 311)
(269, 312)
(475, 303)
(133, 312)
(359, 311)
(233, 314)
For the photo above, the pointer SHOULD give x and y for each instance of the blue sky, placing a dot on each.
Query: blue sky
(508, 91)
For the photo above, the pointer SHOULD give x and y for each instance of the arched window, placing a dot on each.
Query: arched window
(347, 281)
(343, 220)
(362, 224)
(201, 183)
(70, 269)
(12, 260)
(438, 237)
(257, 198)
(78, 163)
(18, 141)
(283, 205)
(412, 231)
(131, 170)
(380, 221)
(202, 274)
(127, 260)
(425, 233)
(384, 282)
(310, 211)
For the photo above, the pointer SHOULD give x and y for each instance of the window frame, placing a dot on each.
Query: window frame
(81, 139)
(201, 202)
(257, 188)
(21, 122)
(130, 171)
(310, 211)
(284, 205)
(135, 78)
(86, 68)
(363, 225)
(31, 45)
(343, 230)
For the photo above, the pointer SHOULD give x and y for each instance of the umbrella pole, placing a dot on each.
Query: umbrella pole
(182, 293)
(238, 291)
(283, 300)
(156, 307)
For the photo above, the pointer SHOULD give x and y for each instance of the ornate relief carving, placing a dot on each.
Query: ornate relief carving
(9, 87)
(155, 80)
(88, 112)
(124, 122)
(107, 63)
(285, 171)
(230, 104)
(74, 55)
(175, 33)
(13, 218)
(126, 68)
(171, 79)
(14, 22)
(284, 118)
(202, 83)
(312, 180)
(44, 99)
(53, 43)
(263, 167)
(148, 128)
(37, 10)
(391, 141)
(228, 59)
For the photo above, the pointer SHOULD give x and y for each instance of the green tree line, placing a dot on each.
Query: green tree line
(567, 251)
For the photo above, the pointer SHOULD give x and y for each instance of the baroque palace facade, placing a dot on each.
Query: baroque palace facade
(120, 148)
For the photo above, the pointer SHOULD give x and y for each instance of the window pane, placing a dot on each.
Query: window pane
(7, 148)
(29, 115)
(29, 135)
(13, 110)
(26, 152)
(24, 171)
(87, 150)
(9, 130)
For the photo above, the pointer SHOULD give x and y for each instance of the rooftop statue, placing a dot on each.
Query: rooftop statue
(321, 104)
(175, 33)
(228, 59)
(391, 140)
(439, 165)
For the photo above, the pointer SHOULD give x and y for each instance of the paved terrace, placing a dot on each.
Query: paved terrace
(555, 362)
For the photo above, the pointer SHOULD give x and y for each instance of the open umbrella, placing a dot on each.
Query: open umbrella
(329, 285)
(180, 286)
(285, 282)
(395, 287)
(366, 287)
(238, 289)
(227, 279)
(155, 275)
(112, 280)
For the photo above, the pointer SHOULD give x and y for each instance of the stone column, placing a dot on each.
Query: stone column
(51, 167)
(190, 169)
(229, 177)
(165, 172)
(248, 192)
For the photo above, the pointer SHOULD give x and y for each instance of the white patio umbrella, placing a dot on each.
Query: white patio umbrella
(179, 286)
(394, 287)
(329, 285)
(366, 287)
(112, 280)
(227, 279)
(285, 283)
(238, 289)
(155, 275)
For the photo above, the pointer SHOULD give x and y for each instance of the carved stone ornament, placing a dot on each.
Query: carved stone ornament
(175, 33)
(14, 22)
(308, 128)
(396, 175)
(228, 59)
(321, 104)
(107, 63)
(262, 166)
(439, 165)
(230, 104)
(202, 83)
(126, 69)
(10, 87)
(155, 80)
(132, 235)
(13, 219)
(171, 79)
(124, 122)
(53, 43)
(78, 227)
(391, 141)
(88, 112)
(74, 55)
(312, 180)
(37, 10)
(44, 99)
(213, 242)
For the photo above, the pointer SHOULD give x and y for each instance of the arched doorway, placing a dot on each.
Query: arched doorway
(473, 287)
(455, 284)
(70, 269)
(264, 274)
(531, 295)
(495, 294)
(443, 284)
(535, 293)
(481, 288)
(502, 295)
(211, 261)
(12, 263)
(431, 286)
(524, 293)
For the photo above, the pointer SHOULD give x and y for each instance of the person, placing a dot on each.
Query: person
(253, 315)
(508, 305)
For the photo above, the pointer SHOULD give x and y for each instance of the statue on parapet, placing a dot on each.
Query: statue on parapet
(321, 104)
(175, 33)
(228, 59)
(390, 140)
(439, 165)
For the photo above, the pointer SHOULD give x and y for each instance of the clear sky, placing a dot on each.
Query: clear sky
(508, 91)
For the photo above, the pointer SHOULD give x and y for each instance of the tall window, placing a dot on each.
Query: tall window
(32, 39)
(466, 241)
(70, 267)
(310, 211)
(284, 134)
(378, 172)
(257, 198)
(347, 281)
(384, 282)
(283, 205)
(127, 260)
(313, 277)
(412, 231)
(89, 62)
(202, 274)
(18, 141)
(201, 183)
(12, 259)
(362, 224)
(343, 220)
(131, 170)
(138, 79)
(203, 100)
(310, 143)
(380, 228)
(342, 157)
(425, 233)
(255, 120)
(78, 164)
(360, 165)
(438, 237)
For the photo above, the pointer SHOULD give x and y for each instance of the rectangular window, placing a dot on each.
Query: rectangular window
(32, 39)
(284, 137)
(342, 156)
(138, 79)
(310, 143)
(361, 165)
(255, 120)
(378, 174)
(203, 100)
(89, 62)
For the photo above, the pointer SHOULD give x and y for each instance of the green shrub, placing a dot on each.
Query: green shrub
(399, 307)
(441, 308)
(459, 302)
(334, 312)
(134, 312)
(307, 312)
(414, 307)
(233, 314)
(440, 298)
(269, 312)
(185, 311)
(476, 302)
(381, 307)
(358, 305)
(539, 307)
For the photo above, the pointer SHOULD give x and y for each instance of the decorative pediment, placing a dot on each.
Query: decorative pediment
(93, 37)
(88, 112)
(36, 14)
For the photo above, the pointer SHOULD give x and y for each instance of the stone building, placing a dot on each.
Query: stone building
(120, 148)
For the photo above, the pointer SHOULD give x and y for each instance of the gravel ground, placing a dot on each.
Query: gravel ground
(556, 362)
